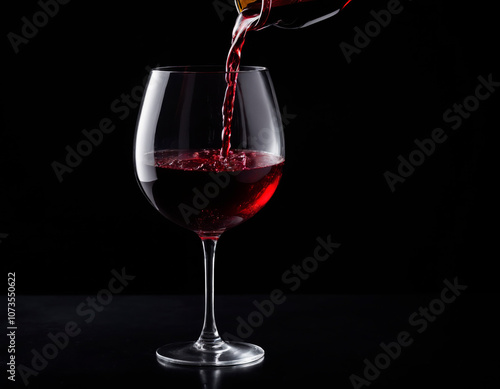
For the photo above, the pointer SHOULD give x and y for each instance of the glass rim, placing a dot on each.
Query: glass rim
(201, 69)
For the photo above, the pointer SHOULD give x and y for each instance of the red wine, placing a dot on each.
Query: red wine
(207, 193)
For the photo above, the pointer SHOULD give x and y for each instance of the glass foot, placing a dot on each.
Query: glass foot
(196, 354)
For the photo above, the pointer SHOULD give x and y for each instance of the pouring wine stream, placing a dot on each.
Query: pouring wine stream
(245, 22)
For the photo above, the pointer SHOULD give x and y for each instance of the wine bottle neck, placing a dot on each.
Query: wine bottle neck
(290, 13)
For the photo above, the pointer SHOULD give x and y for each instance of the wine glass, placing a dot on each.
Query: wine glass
(181, 169)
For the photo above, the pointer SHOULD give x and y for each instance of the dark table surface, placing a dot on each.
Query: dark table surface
(310, 340)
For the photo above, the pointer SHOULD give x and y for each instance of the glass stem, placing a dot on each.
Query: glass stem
(209, 338)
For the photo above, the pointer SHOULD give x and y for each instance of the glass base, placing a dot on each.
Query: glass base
(194, 354)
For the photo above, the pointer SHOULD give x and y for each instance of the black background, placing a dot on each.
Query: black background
(348, 123)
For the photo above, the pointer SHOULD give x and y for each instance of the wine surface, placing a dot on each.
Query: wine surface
(207, 193)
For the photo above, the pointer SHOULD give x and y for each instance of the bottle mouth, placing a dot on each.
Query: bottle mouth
(253, 9)
(242, 4)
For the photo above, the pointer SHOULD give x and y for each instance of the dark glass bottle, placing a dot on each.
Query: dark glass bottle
(293, 13)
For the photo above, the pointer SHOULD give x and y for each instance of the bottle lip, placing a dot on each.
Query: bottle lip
(207, 69)
(239, 7)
